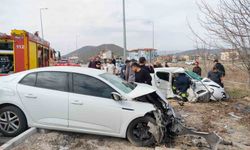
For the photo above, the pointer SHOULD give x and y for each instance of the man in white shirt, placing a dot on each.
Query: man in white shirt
(110, 68)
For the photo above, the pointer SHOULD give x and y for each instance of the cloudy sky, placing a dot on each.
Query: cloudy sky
(95, 22)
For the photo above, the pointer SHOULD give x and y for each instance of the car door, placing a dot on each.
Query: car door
(163, 82)
(90, 106)
(45, 97)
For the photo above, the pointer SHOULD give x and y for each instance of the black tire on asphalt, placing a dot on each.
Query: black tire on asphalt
(133, 139)
(22, 119)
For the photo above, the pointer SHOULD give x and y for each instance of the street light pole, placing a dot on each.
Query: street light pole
(41, 19)
(124, 33)
(153, 41)
(153, 35)
(76, 41)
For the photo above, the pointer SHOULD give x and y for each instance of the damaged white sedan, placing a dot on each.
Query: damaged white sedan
(88, 101)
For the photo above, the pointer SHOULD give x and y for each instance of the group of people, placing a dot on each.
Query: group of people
(139, 71)
(134, 71)
(109, 64)
(216, 74)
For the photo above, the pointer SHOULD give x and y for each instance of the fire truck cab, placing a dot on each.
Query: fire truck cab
(23, 51)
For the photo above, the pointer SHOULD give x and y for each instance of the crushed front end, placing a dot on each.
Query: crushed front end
(168, 125)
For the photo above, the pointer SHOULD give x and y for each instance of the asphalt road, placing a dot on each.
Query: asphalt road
(3, 139)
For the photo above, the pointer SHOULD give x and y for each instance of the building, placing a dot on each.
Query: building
(149, 53)
(185, 57)
(228, 55)
(74, 59)
(106, 54)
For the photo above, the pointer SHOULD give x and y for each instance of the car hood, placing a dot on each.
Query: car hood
(209, 82)
(140, 90)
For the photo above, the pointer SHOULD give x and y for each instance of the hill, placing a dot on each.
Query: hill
(86, 52)
(192, 52)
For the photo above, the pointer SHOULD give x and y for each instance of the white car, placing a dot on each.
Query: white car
(202, 89)
(88, 101)
(190, 62)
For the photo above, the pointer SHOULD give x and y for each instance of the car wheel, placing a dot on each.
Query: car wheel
(138, 132)
(12, 121)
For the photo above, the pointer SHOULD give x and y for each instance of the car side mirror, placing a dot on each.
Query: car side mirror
(116, 96)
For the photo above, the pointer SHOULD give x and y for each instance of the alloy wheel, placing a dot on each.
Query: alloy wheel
(141, 131)
(9, 122)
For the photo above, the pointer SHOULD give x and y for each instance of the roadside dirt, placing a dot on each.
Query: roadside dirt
(231, 120)
(202, 116)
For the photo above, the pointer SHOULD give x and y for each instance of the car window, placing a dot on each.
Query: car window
(163, 75)
(83, 84)
(29, 79)
(119, 83)
(193, 75)
(52, 80)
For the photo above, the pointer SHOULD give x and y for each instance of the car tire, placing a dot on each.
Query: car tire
(12, 121)
(134, 138)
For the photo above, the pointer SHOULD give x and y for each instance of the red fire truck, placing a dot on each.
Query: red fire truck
(23, 51)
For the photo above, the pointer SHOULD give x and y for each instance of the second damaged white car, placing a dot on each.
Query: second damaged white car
(88, 101)
(201, 89)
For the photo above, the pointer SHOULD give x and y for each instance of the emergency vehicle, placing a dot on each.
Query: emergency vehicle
(23, 51)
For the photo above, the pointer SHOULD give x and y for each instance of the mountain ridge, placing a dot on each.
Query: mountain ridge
(85, 52)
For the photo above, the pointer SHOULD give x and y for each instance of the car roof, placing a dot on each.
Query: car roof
(73, 69)
(171, 69)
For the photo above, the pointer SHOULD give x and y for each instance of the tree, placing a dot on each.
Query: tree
(228, 24)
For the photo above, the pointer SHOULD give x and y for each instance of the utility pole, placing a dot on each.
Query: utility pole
(153, 35)
(124, 33)
(41, 20)
(153, 41)
(76, 41)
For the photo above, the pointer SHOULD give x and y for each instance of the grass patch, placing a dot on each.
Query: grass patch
(236, 93)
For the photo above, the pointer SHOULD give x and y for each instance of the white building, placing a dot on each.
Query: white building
(229, 55)
(149, 53)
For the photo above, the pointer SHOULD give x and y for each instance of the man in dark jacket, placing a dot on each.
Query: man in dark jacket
(215, 76)
(98, 63)
(92, 63)
(142, 62)
(141, 75)
(197, 68)
(220, 67)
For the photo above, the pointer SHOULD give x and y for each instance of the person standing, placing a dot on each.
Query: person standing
(220, 67)
(123, 69)
(197, 68)
(92, 63)
(110, 68)
(216, 76)
(114, 61)
(130, 74)
(141, 75)
(166, 64)
(142, 62)
(98, 64)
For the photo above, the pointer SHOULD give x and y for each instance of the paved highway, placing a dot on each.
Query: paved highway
(3, 139)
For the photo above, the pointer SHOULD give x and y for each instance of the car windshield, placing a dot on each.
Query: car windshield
(119, 83)
(194, 75)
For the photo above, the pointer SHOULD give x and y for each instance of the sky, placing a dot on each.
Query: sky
(96, 22)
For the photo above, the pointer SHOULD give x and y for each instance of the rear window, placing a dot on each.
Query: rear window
(52, 80)
(29, 79)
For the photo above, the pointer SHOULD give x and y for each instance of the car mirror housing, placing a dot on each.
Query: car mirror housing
(116, 96)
